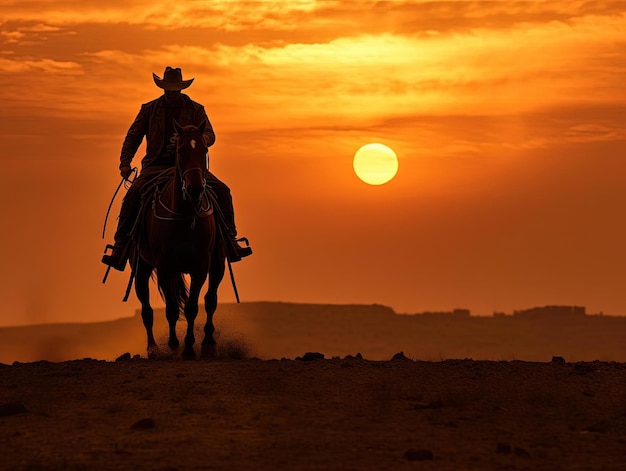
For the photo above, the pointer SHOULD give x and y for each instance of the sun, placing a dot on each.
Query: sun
(375, 164)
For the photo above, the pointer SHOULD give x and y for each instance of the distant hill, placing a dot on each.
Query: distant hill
(276, 330)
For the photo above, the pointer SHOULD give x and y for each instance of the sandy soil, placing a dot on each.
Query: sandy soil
(332, 414)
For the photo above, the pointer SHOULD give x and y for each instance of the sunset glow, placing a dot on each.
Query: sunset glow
(508, 117)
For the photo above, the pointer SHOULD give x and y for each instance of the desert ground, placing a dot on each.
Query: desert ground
(541, 402)
(322, 414)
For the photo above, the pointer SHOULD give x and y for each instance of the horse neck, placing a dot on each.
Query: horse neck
(173, 193)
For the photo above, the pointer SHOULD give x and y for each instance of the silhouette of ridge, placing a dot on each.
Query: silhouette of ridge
(282, 329)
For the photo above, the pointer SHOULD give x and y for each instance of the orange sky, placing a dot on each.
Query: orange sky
(508, 119)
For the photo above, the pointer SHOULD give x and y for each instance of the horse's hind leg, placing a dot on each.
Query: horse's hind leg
(191, 312)
(172, 311)
(142, 289)
(209, 346)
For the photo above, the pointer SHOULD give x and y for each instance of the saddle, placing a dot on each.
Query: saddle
(150, 202)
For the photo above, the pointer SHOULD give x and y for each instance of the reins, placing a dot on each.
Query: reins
(200, 213)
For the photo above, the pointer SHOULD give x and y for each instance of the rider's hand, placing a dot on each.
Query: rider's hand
(125, 172)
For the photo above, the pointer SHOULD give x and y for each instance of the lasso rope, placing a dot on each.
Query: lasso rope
(127, 183)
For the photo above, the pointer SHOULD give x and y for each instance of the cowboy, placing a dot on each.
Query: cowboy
(155, 121)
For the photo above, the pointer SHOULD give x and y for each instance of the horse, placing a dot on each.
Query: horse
(181, 236)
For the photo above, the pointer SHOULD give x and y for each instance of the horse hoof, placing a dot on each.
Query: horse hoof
(153, 352)
(209, 351)
(189, 354)
(173, 344)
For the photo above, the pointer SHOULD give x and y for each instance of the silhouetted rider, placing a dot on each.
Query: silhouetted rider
(155, 121)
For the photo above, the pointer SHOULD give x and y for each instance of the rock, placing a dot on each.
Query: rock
(358, 356)
(400, 356)
(310, 356)
(558, 360)
(585, 368)
(125, 357)
(143, 424)
(12, 408)
(503, 448)
(418, 455)
(436, 404)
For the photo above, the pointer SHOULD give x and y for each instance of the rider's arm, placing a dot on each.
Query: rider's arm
(134, 136)
(209, 134)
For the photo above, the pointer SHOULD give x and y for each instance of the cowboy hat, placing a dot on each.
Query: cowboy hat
(172, 79)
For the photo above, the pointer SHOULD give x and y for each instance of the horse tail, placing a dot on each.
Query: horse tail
(182, 290)
(177, 285)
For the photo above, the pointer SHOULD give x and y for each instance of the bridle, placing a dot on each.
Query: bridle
(183, 183)
(203, 202)
(202, 206)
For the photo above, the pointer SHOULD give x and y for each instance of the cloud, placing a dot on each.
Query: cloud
(41, 28)
(586, 132)
(224, 15)
(11, 37)
(408, 16)
(483, 71)
(359, 77)
(28, 66)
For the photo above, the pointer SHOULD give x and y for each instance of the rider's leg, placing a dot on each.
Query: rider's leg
(128, 215)
(234, 251)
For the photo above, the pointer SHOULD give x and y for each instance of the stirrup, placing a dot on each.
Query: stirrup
(119, 262)
(236, 252)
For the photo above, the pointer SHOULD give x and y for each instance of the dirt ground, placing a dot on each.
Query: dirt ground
(330, 414)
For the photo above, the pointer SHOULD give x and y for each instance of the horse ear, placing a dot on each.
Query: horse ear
(202, 127)
(177, 127)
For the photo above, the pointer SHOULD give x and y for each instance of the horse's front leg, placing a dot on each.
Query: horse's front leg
(191, 312)
(209, 345)
(142, 290)
(216, 274)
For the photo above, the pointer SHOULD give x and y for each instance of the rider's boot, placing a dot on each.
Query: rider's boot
(234, 251)
(119, 254)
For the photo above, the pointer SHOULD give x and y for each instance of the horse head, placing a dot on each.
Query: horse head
(192, 162)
